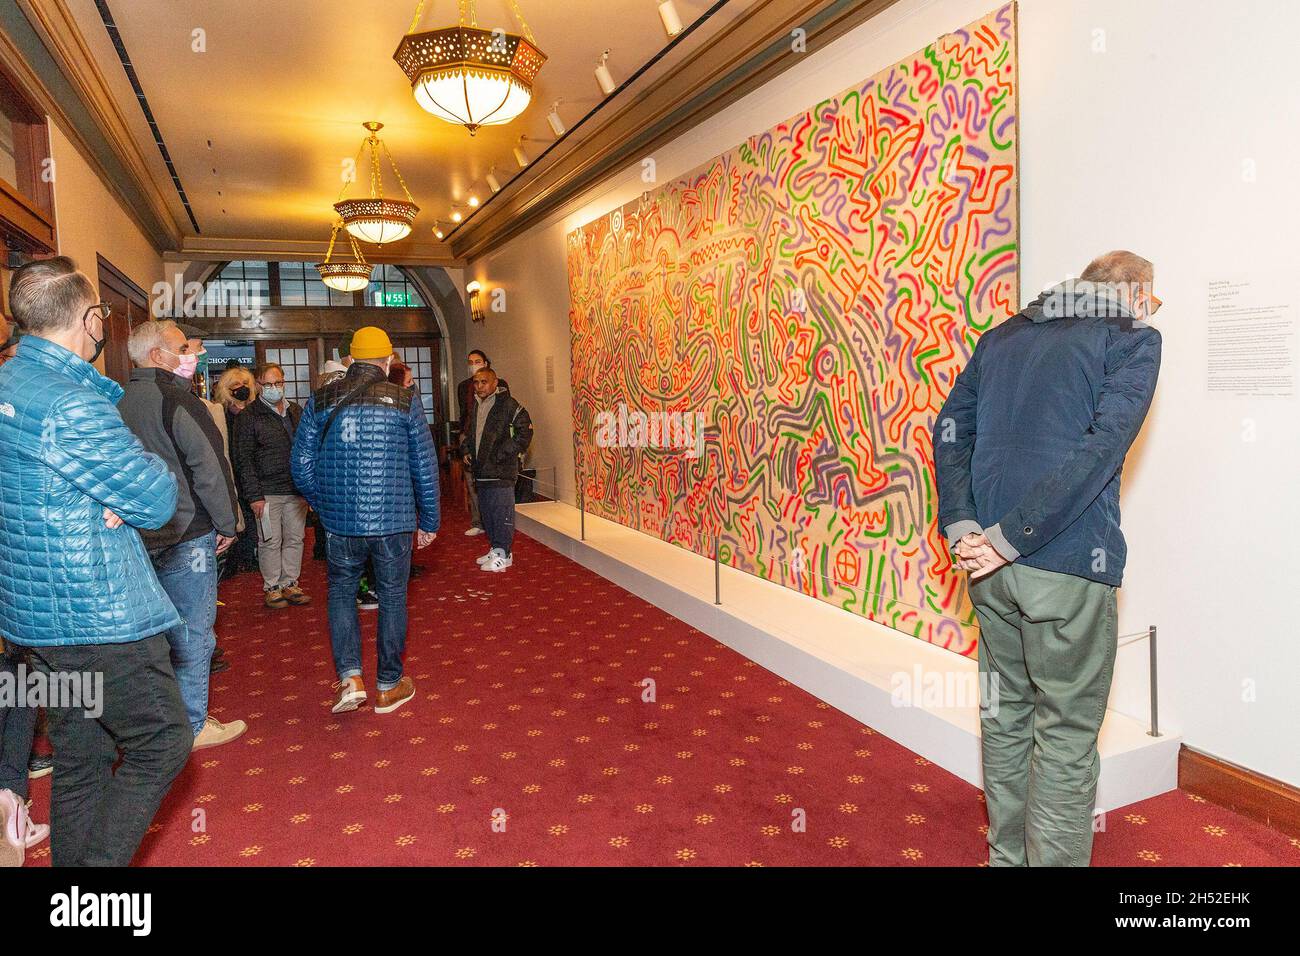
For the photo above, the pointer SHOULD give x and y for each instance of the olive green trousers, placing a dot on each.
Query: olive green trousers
(1046, 657)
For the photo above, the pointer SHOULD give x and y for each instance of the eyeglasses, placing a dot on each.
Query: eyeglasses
(102, 309)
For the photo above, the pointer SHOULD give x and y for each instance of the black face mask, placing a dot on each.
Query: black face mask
(99, 344)
(240, 394)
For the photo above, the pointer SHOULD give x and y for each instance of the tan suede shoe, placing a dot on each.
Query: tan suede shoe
(215, 733)
(388, 701)
(296, 595)
(352, 694)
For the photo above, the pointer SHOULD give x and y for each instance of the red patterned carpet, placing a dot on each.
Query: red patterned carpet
(529, 710)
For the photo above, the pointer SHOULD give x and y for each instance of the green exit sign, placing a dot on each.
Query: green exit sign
(397, 298)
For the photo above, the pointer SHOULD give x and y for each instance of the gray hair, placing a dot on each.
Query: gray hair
(49, 294)
(1119, 267)
(146, 337)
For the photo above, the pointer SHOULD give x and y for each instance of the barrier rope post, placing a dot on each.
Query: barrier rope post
(717, 570)
(1155, 716)
(582, 507)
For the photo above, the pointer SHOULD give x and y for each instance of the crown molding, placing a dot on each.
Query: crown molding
(408, 252)
(62, 38)
(661, 106)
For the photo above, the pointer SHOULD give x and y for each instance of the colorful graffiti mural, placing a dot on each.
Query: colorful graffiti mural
(807, 300)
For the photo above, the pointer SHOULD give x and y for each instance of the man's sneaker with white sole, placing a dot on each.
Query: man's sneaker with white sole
(473, 530)
(485, 558)
(498, 562)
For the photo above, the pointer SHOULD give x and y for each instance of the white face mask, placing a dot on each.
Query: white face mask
(474, 367)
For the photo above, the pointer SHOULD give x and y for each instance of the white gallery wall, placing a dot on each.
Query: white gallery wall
(1169, 127)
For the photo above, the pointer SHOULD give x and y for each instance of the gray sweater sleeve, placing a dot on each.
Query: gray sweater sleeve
(213, 486)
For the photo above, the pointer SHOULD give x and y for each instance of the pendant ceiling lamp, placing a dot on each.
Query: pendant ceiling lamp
(375, 218)
(470, 76)
(344, 276)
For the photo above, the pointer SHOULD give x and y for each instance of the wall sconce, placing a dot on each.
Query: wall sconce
(475, 290)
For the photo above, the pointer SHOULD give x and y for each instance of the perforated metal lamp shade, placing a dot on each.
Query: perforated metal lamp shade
(345, 276)
(469, 76)
(341, 275)
(376, 219)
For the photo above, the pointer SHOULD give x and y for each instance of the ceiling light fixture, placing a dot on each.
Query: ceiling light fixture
(473, 201)
(520, 156)
(469, 76)
(553, 117)
(376, 219)
(668, 14)
(494, 184)
(604, 77)
(344, 276)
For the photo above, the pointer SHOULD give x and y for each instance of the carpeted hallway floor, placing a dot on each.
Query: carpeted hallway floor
(529, 743)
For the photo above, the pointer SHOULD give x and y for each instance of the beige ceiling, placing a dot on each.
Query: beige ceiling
(283, 86)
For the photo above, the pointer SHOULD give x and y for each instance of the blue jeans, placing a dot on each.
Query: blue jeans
(390, 557)
(188, 573)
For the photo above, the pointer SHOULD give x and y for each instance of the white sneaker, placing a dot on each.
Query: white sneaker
(498, 562)
(473, 531)
(18, 831)
(485, 558)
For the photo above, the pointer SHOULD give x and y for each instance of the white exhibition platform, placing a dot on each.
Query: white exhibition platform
(855, 665)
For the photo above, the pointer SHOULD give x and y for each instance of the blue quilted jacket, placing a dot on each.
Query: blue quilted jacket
(64, 577)
(375, 472)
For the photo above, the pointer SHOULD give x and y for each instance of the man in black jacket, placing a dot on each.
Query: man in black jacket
(174, 424)
(499, 431)
(263, 440)
(466, 402)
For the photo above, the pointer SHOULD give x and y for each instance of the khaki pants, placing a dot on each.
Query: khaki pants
(279, 540)
(1046, 655)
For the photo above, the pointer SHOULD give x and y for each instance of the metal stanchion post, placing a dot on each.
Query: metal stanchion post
(582, 509)
(1155, 710)
(717, 570)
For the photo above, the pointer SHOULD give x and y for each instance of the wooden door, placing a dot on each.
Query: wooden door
(130, 305)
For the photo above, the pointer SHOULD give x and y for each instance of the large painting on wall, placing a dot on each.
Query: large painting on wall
(760, 347)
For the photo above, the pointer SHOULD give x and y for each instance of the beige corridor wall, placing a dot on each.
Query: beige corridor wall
(1122, 144)
(90, 220)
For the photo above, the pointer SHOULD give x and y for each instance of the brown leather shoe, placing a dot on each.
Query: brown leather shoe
(296, 595)
(276, 599)
(388, 701)
(352, 694)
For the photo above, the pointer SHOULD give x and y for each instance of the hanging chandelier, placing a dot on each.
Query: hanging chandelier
(469, 76)
(344, 276)
(377, 219)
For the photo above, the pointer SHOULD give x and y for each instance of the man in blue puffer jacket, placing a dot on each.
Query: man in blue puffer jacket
(364, 459)
(76, 585)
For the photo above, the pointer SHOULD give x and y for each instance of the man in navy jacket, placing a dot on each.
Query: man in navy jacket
(363, 457)
(1028, 452)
